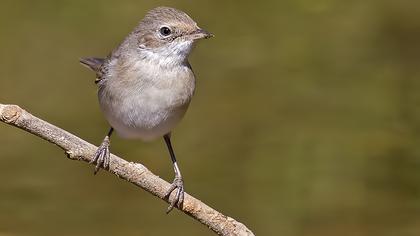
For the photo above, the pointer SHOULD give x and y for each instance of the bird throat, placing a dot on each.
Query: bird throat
(170, 55)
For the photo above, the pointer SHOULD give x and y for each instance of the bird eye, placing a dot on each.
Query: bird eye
(165, 31)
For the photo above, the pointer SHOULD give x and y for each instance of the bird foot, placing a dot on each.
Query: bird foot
(102, 156)
(178, 200)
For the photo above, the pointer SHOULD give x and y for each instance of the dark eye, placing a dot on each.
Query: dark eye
(165, 31)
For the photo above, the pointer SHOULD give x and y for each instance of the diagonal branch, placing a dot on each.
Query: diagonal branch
(78, 149)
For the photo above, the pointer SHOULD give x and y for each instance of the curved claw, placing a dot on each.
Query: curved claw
(178, 200)
(102, 156)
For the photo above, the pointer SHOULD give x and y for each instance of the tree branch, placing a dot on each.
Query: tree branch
(78, 149)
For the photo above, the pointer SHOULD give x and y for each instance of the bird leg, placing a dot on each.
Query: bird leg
(178, 183)
(102, 154)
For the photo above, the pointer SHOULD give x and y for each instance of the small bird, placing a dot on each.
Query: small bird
(146, 84)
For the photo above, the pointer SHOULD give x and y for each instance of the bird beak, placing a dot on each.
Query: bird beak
(201, 34)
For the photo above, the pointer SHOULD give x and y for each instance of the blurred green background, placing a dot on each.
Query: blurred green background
(306, 119)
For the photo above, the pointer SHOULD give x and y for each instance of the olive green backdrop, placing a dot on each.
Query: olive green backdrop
(306, 119)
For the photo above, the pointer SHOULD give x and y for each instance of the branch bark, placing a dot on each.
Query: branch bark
(135, 173)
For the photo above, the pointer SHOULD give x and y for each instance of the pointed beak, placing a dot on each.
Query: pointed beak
(201, 34)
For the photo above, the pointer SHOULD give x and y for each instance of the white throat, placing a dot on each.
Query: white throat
(173, 54)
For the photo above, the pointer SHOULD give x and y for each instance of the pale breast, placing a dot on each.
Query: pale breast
(145, 101)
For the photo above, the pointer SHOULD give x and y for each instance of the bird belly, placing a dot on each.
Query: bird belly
(144, 114)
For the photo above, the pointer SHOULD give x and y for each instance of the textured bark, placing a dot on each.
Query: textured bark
(78, 149)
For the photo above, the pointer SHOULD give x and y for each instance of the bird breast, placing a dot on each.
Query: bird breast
(144, 100)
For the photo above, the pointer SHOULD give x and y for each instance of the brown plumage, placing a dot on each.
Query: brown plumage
(146, 83)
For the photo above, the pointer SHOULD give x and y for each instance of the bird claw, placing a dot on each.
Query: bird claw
(178, 200)
(102, 156)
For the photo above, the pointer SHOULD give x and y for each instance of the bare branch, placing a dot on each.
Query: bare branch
(78, 149)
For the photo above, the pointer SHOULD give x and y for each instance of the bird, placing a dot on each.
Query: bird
(146, 84)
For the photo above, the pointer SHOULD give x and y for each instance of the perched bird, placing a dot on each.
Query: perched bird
(146, 84)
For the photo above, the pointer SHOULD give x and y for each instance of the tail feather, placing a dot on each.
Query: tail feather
(92, 63)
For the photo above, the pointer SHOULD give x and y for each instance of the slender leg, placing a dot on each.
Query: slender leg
(102, 154)
(178, 183)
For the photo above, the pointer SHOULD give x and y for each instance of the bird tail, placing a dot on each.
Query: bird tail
(92, 63)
